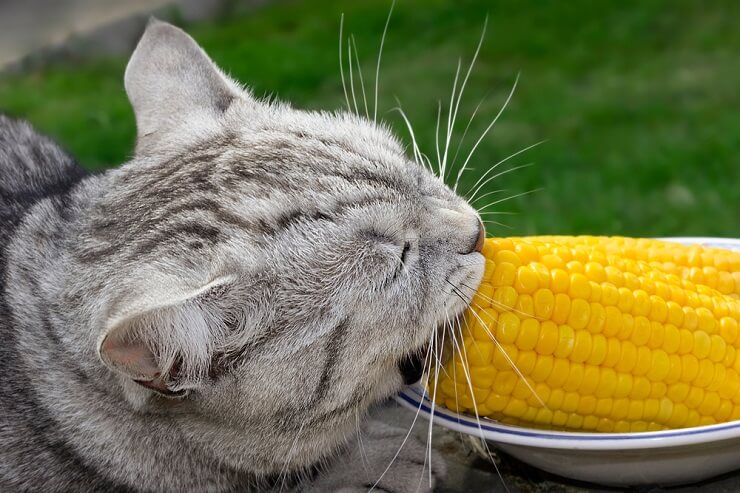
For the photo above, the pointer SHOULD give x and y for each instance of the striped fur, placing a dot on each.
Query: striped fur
(214, 314)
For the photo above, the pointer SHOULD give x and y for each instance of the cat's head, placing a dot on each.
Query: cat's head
(264, 271)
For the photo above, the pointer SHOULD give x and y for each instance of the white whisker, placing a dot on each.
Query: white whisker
(496, 223)
(417, 153)
(508, 358)
(459, 146)
(498, 213)
(380, 54)
(450, 124)
(490, 170)
(462, 89)
(351, 76)
(359, 74)
(363, 455)
(284, 470)
(497, 304)
(498, 175)
(492, 192)
(464, 355)
(466, 365)
(341, 61)
(436, 138)
(416, 416)
(493, 122)
(510, 197)
(495, 341)
(434, 393)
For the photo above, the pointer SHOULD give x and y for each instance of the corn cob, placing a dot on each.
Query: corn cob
(599, 334)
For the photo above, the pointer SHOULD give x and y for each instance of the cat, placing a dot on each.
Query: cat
(219, 312)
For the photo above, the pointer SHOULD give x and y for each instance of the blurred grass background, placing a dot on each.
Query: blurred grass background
(638, 100)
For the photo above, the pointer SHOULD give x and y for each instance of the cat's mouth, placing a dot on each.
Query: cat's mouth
(414, 363)
(411, 366)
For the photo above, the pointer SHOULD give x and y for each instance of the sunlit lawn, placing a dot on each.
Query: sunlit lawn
(638, 101)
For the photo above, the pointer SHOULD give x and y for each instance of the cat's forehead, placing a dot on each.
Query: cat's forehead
(321, 128)
(336, 144)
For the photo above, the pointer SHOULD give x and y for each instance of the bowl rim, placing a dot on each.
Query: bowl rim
(416, 398)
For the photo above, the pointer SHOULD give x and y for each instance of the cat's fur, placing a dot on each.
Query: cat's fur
(223, 308)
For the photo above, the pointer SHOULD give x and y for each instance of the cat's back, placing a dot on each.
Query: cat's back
(31, 167)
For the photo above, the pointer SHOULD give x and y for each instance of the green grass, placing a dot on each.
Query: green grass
(638, 100)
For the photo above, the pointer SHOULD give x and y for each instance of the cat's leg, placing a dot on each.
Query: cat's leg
(364, 462)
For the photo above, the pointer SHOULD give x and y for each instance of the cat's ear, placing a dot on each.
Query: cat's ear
(170, 79)
(167, 347)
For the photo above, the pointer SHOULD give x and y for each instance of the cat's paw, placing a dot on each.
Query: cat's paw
(376, 462)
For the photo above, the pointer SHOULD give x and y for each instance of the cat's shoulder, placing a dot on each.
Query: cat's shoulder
(32, 166)
(31, 162)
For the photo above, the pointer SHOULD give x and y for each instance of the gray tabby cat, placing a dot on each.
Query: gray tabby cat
(218, 313)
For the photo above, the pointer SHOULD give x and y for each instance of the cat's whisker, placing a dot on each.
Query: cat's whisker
(437, 343)
(497, 304)
(380, 55)
(496, 223)
(283, 475)
(461, 171)
(457, 290)
(459, 321)
(487, 194)
(427, 359)
(498, 213)
(359, 75)
(436, 137)
(493, 122)
(414, 144)
(498, 175)
(450, 124)
(351, 75)
(462, 351)
(438, 360)
(437, 349)
(363, 455)
(428, 162)
(490, 170)
(341, 61)
(510, 197)
(487, 450)
(454, 379)
(507, 357)
(462, 89)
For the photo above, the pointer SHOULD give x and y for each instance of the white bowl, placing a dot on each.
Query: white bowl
(618, 459)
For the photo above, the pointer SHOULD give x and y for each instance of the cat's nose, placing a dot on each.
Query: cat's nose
(480, 239)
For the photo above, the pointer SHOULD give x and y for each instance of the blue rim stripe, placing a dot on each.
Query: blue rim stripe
(599, 437)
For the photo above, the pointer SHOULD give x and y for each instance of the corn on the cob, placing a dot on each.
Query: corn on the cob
(599, 334)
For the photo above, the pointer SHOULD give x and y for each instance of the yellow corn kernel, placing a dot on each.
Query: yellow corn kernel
(507, 329)
(526, 280)
(544, 304)
(610, 334)
(503, 275)
(566, 342)
(580, 313)
(529, 333)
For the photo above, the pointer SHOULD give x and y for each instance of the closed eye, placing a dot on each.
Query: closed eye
(405, 252)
